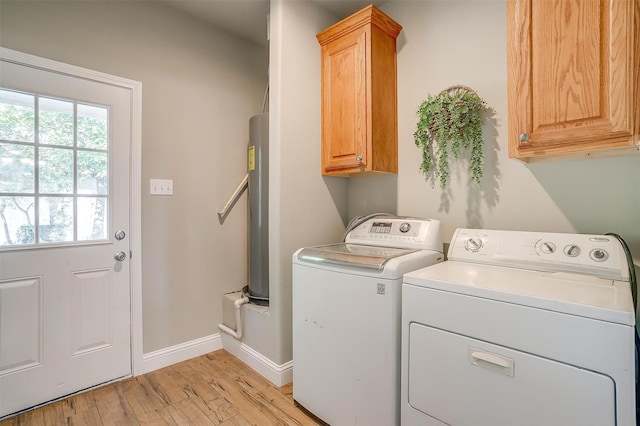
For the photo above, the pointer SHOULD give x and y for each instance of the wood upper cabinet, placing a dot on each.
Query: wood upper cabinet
(359, 95)
(573, 78)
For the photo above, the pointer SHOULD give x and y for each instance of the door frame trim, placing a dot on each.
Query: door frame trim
(135, 188)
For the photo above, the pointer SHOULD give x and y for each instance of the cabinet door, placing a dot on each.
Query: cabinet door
(571, 76)
(344, 115)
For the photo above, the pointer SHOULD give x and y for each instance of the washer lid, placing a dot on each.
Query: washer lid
(352, 255)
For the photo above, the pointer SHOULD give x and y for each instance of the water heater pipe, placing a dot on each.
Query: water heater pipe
(238, 332)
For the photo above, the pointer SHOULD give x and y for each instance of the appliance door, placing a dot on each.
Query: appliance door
(351, 255)
(458, 380)
(539, 337)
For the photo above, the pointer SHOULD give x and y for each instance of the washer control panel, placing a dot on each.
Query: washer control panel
(401, 232)
(599, 255)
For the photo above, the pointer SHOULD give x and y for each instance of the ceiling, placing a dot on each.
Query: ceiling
(247, 18)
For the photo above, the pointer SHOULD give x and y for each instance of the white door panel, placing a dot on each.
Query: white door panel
(65, 308)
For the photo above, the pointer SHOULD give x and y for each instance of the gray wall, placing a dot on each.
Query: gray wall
(444, 43)
(305, 208)
(199, 87)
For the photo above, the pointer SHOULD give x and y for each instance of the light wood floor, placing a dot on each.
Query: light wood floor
(213, 389)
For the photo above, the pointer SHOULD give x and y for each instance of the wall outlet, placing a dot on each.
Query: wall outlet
(161, 187)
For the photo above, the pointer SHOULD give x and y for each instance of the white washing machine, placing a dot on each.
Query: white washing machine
(346, 319)
(520, 328)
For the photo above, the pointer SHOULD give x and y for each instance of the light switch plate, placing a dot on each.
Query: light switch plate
(161, 187)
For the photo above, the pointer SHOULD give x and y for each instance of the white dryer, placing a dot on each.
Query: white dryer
(520, 328)
(346, 319)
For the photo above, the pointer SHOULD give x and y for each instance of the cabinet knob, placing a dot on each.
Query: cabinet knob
(524, 137)
(358, 158)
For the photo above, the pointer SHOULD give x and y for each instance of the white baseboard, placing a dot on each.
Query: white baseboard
(178, 353)
(279, 375)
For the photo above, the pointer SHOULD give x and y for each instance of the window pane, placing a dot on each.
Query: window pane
(17, 168)
(92, 127)
(56, 122)
(93, 177)
(56, 171)
(54, 189)
(17, 117)
(16, 214)
(56, 219)
(92, 218)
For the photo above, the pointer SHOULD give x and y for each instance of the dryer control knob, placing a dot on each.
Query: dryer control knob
(572, 250)
(548, 247)
(599, 255)
(405, 227)
(473, 244)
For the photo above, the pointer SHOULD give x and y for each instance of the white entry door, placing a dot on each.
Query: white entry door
(64, 234)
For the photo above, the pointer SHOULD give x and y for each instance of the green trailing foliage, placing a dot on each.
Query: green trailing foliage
(450, 123)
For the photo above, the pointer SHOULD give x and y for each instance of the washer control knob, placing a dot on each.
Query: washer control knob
(405, 227)
(572, 250)
(473, 244)
(548, 247)
(599, 255)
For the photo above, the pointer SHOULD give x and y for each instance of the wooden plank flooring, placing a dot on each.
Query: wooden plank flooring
(213, 389)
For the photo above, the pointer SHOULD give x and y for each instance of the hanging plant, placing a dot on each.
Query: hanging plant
(449, 123)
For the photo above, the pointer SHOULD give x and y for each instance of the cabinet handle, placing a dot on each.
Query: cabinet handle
(524, 137)
(358, 158)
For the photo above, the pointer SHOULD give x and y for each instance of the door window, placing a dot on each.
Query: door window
(54, 170)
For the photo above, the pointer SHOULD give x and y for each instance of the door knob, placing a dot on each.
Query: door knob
(120, 256)
(358, 158)
(120, 235)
